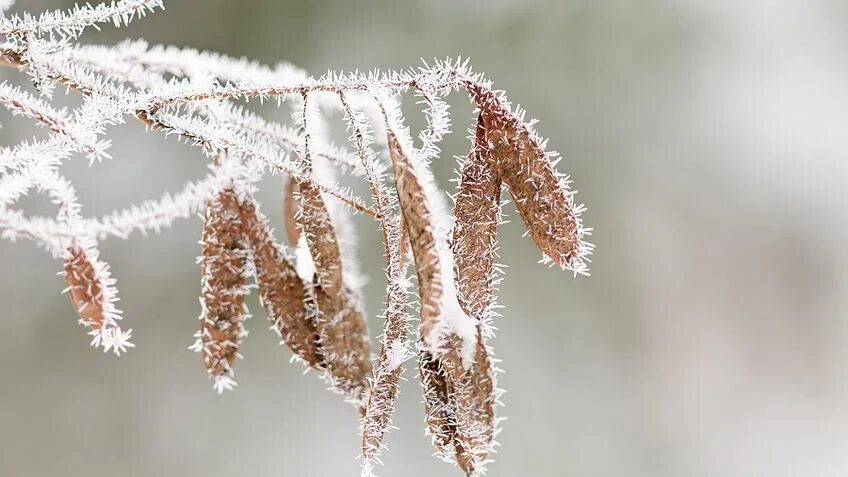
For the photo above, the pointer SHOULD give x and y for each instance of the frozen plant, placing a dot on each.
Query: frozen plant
(314, 303)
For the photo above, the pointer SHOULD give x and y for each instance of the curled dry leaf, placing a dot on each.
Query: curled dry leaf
(92, 293)
(540, 194)
(437, 368)
(477, 213)
(342, 331)
(284, 296)
(474, 401)
(418, 223)
(223, 289)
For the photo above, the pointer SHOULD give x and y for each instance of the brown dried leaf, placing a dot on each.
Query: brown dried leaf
(290, 211)
(441, 422)
(344, 340)
(542, 199)
(223, 289)
(477, 212)
(419, 228)
(342, 330)
(435, 370)
(84, 289)
(91, 291)
(475, 411)
(283, 294)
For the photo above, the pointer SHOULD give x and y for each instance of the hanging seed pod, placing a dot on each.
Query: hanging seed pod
(223, 290)
(541, 196)
(281, 291)
(342, 332)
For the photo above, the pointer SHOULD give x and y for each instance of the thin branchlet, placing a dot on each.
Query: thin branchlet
(394, 347)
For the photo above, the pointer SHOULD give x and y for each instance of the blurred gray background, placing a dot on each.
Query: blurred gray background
(708, 140)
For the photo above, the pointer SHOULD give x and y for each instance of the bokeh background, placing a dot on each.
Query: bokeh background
(709, 140)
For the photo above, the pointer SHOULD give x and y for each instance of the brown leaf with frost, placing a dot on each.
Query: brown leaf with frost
(418, 224)
(223, 289)
(84, 289)
(441, 422)
(540, 195)
(342, 330)
(435, 371)
(383, 387)
(477, 212)
(283, 294)
(290, 211)
(475, 400)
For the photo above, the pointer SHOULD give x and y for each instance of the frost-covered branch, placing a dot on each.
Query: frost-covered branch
(312, 297)
(71, 23)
